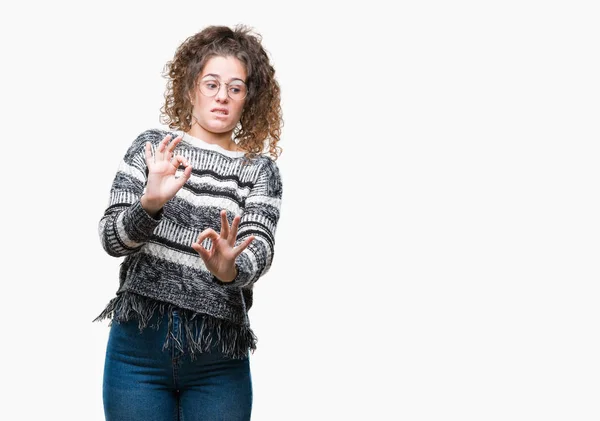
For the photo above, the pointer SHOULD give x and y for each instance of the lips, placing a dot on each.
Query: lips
(220, 111)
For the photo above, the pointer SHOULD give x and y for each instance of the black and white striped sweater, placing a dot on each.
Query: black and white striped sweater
(162, 272)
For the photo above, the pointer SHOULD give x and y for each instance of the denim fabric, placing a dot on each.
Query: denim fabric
(144, 382)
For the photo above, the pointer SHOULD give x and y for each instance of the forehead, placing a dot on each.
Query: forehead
(226, 67)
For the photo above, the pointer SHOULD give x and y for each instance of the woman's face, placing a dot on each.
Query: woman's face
(224, 78)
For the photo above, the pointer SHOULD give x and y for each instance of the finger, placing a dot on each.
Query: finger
(234, 229)
(205, 254)
(207, 233)
(162, 146)
(163, 143)
(173, 144)
(148, 152)
(224, 225)
(178, 160)
(239, 249)
(187, 173)
(236, 223)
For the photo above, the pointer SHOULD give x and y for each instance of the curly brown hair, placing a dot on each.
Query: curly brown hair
(260, 125)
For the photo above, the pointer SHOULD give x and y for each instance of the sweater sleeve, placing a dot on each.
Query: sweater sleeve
(260, 217)
(125, 225)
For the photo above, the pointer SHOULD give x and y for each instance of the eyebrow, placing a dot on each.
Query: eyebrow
(219, 77)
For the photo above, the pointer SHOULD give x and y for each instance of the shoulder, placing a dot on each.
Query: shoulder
(266, 164)
(152, 135)
(269, 172)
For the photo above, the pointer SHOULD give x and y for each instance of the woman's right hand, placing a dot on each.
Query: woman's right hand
(162, 185)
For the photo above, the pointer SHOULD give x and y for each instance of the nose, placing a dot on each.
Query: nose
(222, 93)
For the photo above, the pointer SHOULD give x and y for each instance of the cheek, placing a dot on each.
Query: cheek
(239, 111)
(201, 106)
(201, 101)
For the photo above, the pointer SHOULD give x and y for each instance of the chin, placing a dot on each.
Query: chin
(218, 129)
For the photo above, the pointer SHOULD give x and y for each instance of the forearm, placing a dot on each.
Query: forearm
(123, 230)
(259, 220)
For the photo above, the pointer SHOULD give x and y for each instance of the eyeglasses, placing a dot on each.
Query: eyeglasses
(236, 89)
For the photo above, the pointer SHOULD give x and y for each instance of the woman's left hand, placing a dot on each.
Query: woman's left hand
(220, 259)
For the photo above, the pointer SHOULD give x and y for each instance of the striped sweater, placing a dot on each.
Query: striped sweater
(161, 272)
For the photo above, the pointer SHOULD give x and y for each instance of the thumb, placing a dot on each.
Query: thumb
(185, 176)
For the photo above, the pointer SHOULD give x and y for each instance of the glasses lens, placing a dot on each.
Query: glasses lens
(209, 87)
(237, 90)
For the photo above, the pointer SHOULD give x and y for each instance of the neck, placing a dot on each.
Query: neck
(221, 139)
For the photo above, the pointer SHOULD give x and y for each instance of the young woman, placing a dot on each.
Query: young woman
(194, 210)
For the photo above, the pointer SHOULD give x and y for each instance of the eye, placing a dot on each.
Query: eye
(238, 90)
(209, 84)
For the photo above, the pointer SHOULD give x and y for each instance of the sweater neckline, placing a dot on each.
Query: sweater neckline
(202, 144)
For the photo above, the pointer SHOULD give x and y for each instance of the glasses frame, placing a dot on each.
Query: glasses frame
(226, 88)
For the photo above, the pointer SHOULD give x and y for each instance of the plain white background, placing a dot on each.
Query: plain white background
(437, 253)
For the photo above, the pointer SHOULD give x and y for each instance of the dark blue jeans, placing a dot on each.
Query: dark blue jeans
(143, 382)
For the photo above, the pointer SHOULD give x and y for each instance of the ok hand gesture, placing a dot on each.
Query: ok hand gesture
(220, 259)
(162, 185)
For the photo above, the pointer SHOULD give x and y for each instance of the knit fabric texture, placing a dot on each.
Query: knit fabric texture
(161, 272)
